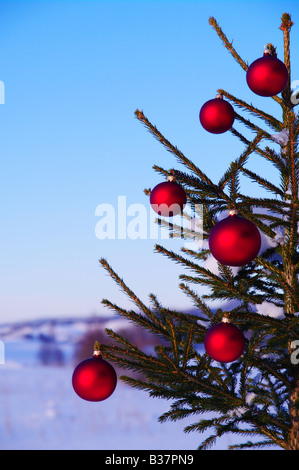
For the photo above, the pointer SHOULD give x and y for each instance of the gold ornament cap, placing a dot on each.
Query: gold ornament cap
(233, 212)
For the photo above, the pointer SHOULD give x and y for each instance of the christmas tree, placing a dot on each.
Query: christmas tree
(254, 394)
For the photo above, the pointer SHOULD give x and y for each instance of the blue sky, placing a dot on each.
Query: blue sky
(74, 73)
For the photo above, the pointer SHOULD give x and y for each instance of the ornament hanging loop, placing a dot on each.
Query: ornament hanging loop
(269, 49)
(226, 318)
(97, 353)
(233, 211)
(171, 176)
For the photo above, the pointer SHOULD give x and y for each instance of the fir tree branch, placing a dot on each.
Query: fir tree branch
(266, 365)
(127, 348)
(208, 442)
(152, 388)
(270, 120)
(253, 217)
(154, 325)
(271, 435)
(175, 230)
(268, 153)
(292, 232)
(274, 205)
(125, 288)
(198, 255)
(262, 182)
(253, 127)
(203, 307)
(294, 169)
(180, 156)
(188, 264)
(243, 316)
(187, 321)
(177, 412)
(161, 350)
(171, 148)
(155, 302)
(193, 185)
(227, 44)
(120, 357)
(177, 371)
(279, 277)
(208, 387)
(174, 342)
(187, 347)
(220, 292)
(286, 25)
(239, 162)
(253, 445)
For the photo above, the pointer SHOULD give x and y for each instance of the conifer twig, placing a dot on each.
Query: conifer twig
(286, 24)
(227, 44)
(171, 148)
(240, 161)
(270, 120)
(178, 368)
(124, 287)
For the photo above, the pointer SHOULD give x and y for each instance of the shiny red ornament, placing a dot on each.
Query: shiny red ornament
(94, 379)
(234, 241)
(168, 198)
(224, 342)
(267, 76)
(217, 115)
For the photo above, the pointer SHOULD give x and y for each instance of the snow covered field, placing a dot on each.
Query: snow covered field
(39, 409)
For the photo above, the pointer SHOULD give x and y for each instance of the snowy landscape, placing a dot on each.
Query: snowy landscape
(39, 409)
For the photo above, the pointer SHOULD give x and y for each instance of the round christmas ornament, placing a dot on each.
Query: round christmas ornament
(168, 198)
(217, 115)
(94, 379)
(267, 76)
(234, 241)
(224, 342)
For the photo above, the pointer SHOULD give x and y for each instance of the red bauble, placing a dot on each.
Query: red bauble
(217, 116)
(267, 76)
(224, 342)
(168, 198)
(234, 241)
(94, 379)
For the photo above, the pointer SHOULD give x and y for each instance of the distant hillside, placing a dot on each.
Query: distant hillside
(61, 329)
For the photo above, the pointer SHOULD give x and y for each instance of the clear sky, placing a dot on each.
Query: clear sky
(74, 73)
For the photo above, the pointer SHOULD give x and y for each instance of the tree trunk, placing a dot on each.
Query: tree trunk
(294, 414)
(290, 276)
